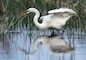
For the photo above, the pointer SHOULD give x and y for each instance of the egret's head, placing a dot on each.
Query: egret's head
(31, 10)
(28, 11)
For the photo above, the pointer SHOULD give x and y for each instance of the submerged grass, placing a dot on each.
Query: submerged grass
(12, 9)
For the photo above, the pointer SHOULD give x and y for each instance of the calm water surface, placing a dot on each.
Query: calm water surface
(9, 47)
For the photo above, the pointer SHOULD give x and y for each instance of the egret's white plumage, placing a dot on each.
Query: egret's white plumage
(61, 10)
(55, 19)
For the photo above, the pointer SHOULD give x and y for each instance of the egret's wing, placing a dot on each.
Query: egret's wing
(61, 10)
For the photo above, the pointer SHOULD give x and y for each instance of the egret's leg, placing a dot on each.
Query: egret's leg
(53, 33)
(59, 32)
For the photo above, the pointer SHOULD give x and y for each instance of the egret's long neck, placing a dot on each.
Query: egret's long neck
(36, 17)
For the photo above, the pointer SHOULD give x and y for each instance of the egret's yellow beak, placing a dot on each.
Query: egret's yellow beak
(23, 14)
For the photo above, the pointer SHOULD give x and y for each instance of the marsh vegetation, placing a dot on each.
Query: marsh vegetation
(14, 28)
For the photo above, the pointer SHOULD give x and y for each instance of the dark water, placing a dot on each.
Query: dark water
(9, 47)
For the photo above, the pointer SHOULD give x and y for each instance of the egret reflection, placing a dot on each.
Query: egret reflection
(56, 44)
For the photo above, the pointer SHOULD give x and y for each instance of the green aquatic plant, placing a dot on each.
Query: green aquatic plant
(13, 8)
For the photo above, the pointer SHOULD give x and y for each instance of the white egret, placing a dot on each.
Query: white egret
(55, 19)
(55, 43)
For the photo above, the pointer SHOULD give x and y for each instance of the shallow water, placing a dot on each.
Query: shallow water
(9, 47)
